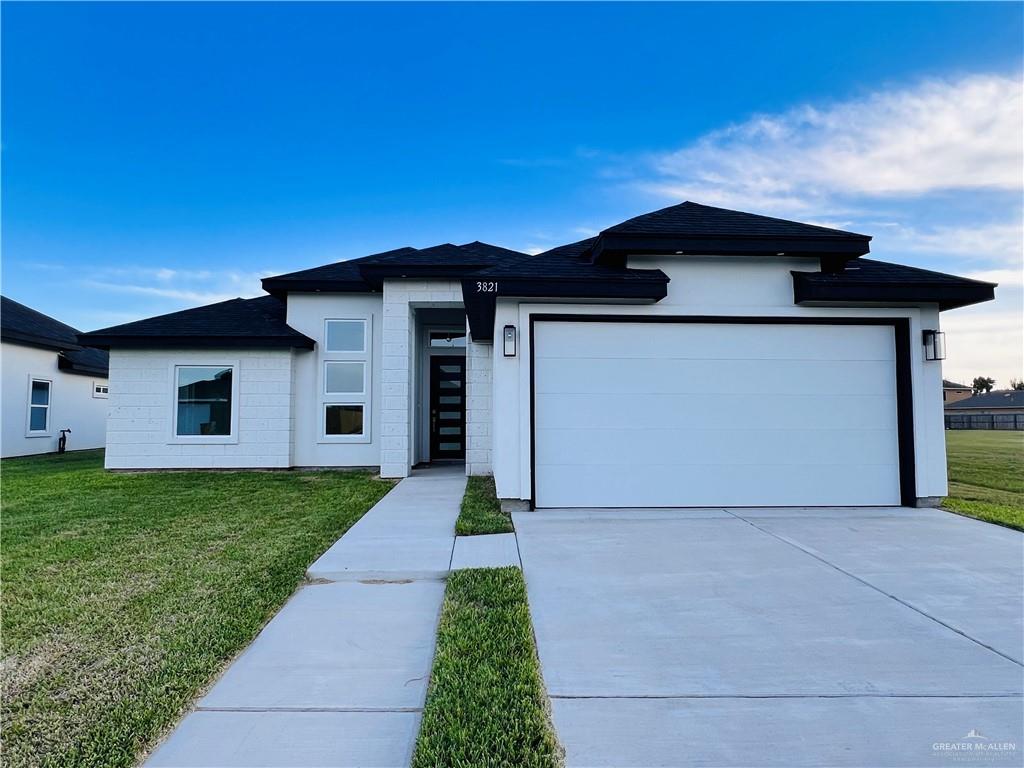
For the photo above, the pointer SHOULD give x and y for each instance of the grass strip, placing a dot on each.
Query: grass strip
(125, 594)
(486, 705)
(986, 476)
(481, 511)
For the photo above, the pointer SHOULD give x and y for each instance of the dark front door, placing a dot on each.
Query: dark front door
(447, 408)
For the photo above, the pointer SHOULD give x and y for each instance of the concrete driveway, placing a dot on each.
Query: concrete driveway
(778, 637)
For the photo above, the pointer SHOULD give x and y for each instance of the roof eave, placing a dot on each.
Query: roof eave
(40, 342)
(67, 366)
(101, 341)
(281, 287)
(481, 305)
(947, 295)
(609, 246)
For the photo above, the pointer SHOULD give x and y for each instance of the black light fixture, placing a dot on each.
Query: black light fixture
(934, 345)
(509, 338)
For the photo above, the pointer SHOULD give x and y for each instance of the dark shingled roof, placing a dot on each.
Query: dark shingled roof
(23, 325)
(565, 263)
(591, 268)
(1007, 398)
(256, 322)
(88, 361)
(696, 220)
(879, 281)
(362, 274)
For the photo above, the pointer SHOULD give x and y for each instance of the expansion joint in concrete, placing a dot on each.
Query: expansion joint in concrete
(868, 584)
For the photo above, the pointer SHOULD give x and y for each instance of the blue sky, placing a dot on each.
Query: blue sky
(158, 156)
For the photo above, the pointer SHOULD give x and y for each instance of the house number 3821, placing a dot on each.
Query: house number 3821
(486, 286)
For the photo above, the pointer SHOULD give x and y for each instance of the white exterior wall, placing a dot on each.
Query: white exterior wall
(307, 314)
(478, 407)
(72, 404)
(710, 286)
(142, 402)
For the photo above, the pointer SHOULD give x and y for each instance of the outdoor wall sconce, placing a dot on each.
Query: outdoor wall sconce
(934, 345)
(509, 339)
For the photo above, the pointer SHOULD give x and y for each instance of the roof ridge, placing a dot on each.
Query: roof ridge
(689, 205)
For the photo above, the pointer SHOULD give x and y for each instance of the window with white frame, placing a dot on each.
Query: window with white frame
(203, 401)
(100, 390)
(39, 391)
(345, 380)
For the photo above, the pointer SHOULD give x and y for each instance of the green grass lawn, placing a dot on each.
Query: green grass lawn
(986, 475)
(486, 705)
(125, 594)
(481, 511)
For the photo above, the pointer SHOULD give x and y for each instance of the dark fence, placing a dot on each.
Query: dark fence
(985, 421)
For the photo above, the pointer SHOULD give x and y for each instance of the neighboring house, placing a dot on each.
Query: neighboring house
(952, 392)
(693, 356)
(1002, 409)
(49, 382)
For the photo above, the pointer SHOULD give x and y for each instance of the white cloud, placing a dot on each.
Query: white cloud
(938, 135)
(1004, 277)
(1002, 243)
(192, 296)
(176, 289)
(981, 342)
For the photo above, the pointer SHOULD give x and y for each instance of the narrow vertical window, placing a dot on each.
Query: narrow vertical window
(345, 380)
(39, 406)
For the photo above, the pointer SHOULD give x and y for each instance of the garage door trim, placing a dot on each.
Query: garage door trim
(904, 386)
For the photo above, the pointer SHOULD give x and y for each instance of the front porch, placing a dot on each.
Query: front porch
(436, 382)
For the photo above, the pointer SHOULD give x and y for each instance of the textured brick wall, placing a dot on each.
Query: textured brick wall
(140, 410)
(479, 365)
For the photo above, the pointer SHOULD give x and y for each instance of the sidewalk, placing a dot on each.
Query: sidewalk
(339, 676)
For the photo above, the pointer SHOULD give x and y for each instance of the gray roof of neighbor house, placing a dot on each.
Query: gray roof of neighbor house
(258, 322)
(594, 268)
(947, 384)
(23, 325)
(1004, 398)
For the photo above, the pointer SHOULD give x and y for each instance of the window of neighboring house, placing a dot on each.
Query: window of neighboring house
(100, 390)
(39, 407)
(203, 400)
(345, 381)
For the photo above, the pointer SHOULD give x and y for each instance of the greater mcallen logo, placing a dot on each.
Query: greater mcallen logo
(975, 744)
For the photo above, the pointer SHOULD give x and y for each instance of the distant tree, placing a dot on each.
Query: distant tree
(1016, 384)
(982, 384)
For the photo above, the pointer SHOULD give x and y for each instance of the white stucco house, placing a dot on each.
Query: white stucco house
(692, 356)
(49, 383)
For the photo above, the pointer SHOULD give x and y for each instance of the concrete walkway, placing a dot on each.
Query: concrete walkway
(339, 676)
(495, 550)
(777, 637)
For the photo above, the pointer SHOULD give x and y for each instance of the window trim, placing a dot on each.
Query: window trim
(366, 332)
(48, 430)
(232, 437)
(343, 438)
(360, 393)
(100, 395)
(364, 398)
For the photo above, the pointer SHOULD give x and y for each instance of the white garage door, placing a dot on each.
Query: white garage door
(694, 414)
